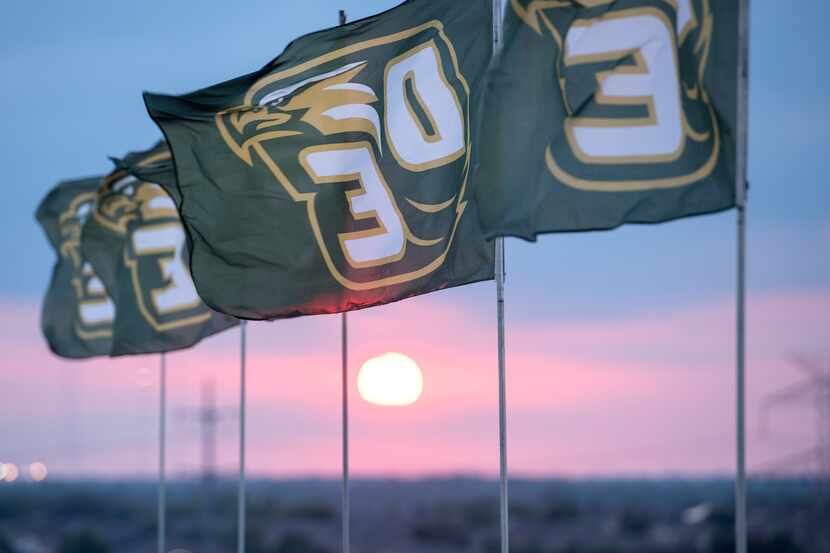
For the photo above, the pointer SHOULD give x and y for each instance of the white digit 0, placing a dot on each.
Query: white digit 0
(415, 147)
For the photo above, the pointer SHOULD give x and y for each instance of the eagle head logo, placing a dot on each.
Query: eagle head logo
(372, 141)
(122, 199)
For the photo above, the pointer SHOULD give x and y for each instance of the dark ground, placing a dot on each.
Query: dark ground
(435, 516)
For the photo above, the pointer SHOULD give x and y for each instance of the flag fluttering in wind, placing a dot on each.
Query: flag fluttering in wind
(137, 245)
(77, 315)
(154, 165)
(601, 112)
(338, 176)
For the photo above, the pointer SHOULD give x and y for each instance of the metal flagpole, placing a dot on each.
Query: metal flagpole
(740, 303)
(242, 408)
(162, 493)
(503, 502)
(345, 433)
(740, 418)
(346, 507)
(505, 527)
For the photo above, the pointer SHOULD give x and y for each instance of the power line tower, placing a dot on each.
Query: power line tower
(209, 416)
(812, 391)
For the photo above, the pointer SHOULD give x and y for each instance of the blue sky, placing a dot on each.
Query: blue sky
(73, 73)
(72, 90)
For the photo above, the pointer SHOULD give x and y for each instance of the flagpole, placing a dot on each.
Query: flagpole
(741, 185)
(345, 507)
(345, 432)
(241, 512)
(503, 474)
(740, 419)
(162, 492)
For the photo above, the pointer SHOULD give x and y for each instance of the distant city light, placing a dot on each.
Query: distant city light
(38, 472)
(11, 472)
(697, 514)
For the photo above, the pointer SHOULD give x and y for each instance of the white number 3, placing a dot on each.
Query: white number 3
(653, 83)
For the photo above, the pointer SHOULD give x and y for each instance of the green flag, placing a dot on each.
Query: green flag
(135, 242)
(601, 112)
(337, 177)
(77, 314)
(154, 165)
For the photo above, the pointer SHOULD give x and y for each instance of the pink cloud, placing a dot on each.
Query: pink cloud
(655, 393)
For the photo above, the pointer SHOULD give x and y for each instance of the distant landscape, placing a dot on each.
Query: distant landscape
(415, 516)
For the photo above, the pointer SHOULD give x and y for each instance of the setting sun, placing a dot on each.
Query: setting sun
(391, 379)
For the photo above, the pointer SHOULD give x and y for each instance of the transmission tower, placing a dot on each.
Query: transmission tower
(209, 416)
(813, 391)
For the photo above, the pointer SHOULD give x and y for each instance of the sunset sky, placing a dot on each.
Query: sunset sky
(620, 345)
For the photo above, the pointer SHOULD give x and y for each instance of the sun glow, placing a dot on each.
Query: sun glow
(391, 379)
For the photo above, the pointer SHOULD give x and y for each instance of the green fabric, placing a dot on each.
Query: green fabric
(533, 179)
(77, 314)
(136, 243)
(152, 166)
(271, 236)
